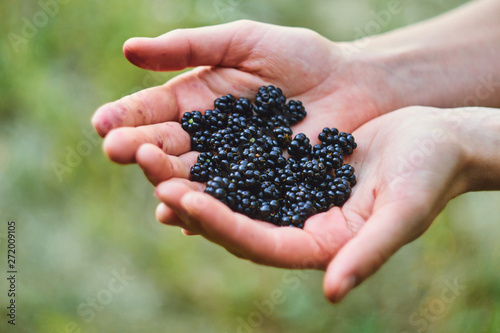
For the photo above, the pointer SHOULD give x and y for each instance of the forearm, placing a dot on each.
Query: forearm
(449, 61)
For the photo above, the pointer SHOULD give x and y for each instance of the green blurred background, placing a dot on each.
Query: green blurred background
(80, 227)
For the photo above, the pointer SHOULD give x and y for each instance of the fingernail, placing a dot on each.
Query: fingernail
(186, 232)
(160, 212)
(345, 287)
(161, 190)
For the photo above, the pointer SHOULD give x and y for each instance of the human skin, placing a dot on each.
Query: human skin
(409, 164)
(436, 63)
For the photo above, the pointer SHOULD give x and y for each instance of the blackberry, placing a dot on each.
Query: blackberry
(217, 186)
(245, 175)
(200, 141)
(346, 172)
(269, 100)
(299, 146)
(295, 112)
(297, 194)
(258, 122)
(249, 135)
(243, 166)
(246, 203)
(222, 137)
(327, 133)
(225, 103)
(331, 156)
(236, 123)
(283, 136)
(192, 122)
(203, 168)
(269, 191)
(312, 171)
(244, 107)
(340, 191)
(215, 119)
(277, 121)
(342, 139)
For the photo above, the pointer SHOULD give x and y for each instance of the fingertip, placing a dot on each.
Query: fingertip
(119, 146)
(147, 153)
(132, 50)
(188, 233)
(161, 190)
(171, 190)
(336, 287)
(101, 122)
(162, 213)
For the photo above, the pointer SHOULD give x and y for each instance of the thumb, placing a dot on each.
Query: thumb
(220, 45)
(385, 232)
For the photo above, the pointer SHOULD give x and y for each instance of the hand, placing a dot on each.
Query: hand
(237, 58)
(409, 164)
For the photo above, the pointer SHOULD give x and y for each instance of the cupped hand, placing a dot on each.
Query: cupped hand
(237, 58)
(409, 164)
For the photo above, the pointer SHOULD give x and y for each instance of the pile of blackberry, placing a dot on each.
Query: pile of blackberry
(243, 166)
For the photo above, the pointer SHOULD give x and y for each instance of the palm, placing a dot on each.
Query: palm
(386, 210)
(396, 199)
(237, 59)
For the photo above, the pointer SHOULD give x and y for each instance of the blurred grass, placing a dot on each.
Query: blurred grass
(98, 218)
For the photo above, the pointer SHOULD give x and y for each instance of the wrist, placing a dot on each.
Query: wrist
(394, 76)
(445, 62)
(480, 137)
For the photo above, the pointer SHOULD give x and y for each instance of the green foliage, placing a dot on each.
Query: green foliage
(80, 227)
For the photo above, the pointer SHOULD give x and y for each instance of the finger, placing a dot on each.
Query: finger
(149, 106)
(255, 240)
(168, 216)
(218, 45)
(188, 233)
(213, 46)
(158, 166)
(121, 144)
(195, 90)
(170, 192)
(387, 230)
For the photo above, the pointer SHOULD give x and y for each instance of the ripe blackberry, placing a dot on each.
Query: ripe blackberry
(245, 175)
(327, 133)
(294, 112)
(225, 103)
(222, 137)
(200, 141)
(299, 146)
(203, 168)
(283, 136)
(217, 186)
(312, 171)
(298, 193)
(237, 123)
(243, 166)
(342, 139)
(192, 122)
(277, 121)
(246, 203)
(244, 107)
(269, 100)
(346, 172)
(269, 191)
(331, 156)
(340, 190)
(215, 119)
(258, 122)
